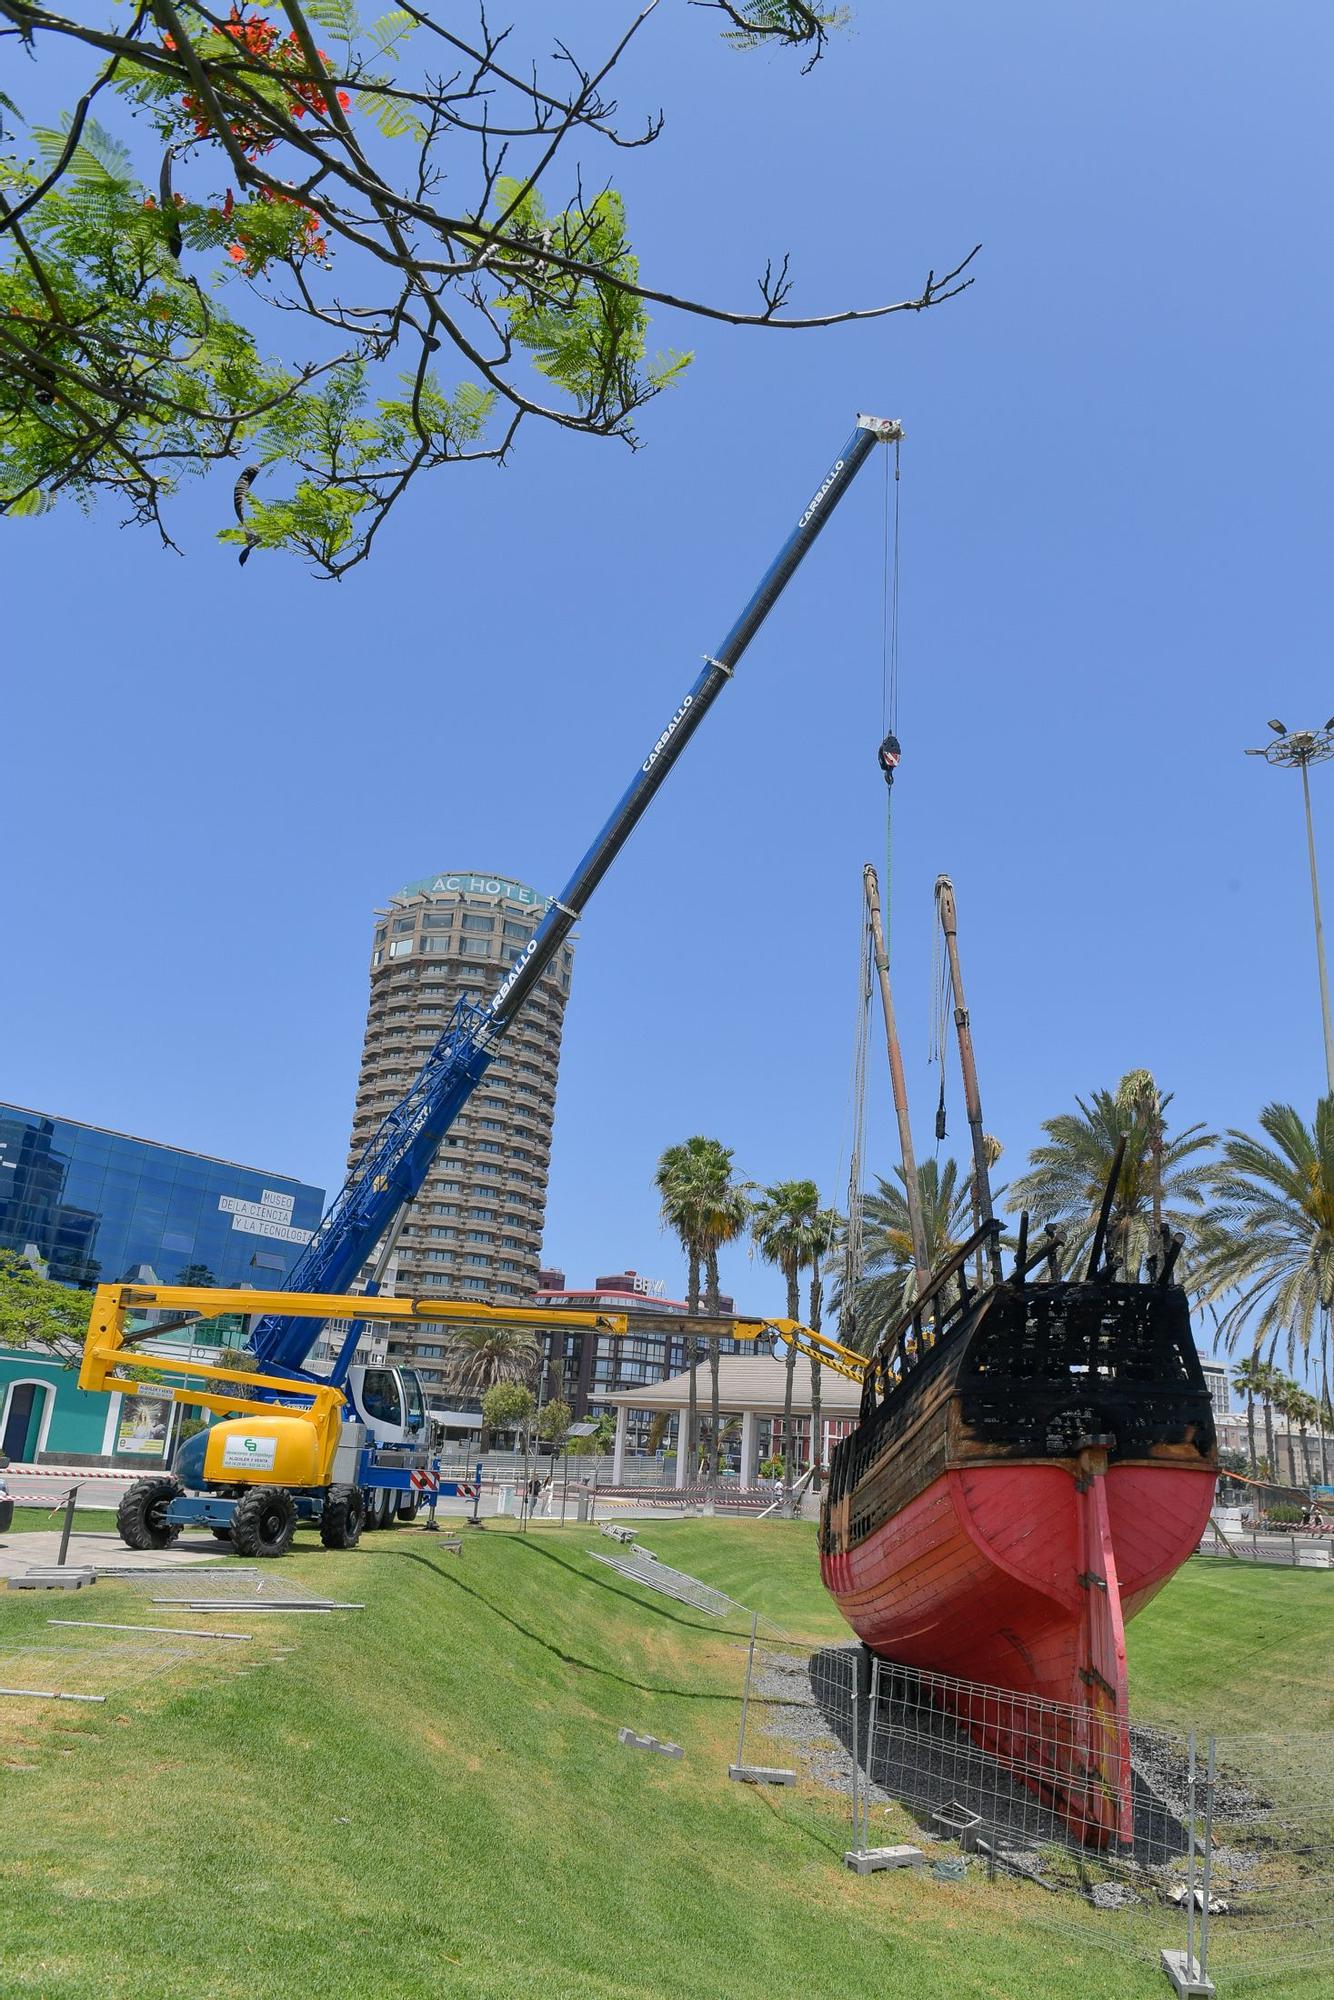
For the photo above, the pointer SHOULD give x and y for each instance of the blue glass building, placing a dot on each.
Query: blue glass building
(103, 1208)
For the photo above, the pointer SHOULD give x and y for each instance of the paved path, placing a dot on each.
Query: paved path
(22, 1552)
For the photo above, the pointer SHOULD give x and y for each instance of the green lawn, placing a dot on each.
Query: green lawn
(87, 1520)
(428, 1797)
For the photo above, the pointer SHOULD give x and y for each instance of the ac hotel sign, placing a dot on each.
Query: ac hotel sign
(475, 885)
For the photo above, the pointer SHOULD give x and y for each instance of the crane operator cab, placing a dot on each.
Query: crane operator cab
(389, 1402)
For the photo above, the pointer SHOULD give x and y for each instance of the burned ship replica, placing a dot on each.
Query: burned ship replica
(1035, 1457)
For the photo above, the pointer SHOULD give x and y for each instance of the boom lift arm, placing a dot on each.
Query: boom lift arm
(394, 1165)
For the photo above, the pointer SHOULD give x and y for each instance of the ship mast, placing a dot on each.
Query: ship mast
(949, 924)
(917, 1226)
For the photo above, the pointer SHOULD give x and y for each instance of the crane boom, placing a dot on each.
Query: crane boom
(396, 1161)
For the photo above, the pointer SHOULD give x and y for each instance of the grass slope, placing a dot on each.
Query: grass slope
(429, 1796)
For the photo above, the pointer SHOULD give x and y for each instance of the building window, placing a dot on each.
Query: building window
(482, 1263)
(508, 1264)
(400, 948)
(439, 921)
(491, 1124)
(471, 922)
(513, 930)
(475, 1284)
(478, 1236)
(402, 924)
(487, 1146)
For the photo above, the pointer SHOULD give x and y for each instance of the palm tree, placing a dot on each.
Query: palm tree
(1283, 1393)
(481, 1356)
(1269, 1235)
(1271, 1388)
(726, 1215)
(705, 1208)
(825, 1230)
(784, 1227)
(1140, 1098)
(1301, 1408)
(1161, 1180)
(1248, 1380)
(889, 1285)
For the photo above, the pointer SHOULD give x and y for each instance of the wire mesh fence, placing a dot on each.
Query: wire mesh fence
(644, 1568)
(1143, 1840)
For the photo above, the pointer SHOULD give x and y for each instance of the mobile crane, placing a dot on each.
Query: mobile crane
(317, 1445)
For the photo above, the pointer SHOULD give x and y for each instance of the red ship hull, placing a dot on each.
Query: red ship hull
(1022, 1576)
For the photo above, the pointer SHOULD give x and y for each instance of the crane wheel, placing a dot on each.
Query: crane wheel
(342, 1517)
(222, 1534)
(408, 1507)
(264, 1521)
(139, 1517)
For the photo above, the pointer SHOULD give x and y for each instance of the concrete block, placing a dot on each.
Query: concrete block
(1187, 1979)
(53, 1579)
(633, 1741)
(870, 1860)
(760, 1774)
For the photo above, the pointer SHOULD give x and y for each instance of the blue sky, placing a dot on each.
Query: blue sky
(1116, 513)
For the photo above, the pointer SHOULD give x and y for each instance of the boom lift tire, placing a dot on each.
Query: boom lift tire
(264, 1521)
(342, 1517)
(139, 1521)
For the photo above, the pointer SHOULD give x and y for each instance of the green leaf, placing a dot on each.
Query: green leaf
(338, 17)
(28, 505)
(390, 29)
(390, 117)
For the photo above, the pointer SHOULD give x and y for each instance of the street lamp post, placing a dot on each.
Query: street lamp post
(1302, 748)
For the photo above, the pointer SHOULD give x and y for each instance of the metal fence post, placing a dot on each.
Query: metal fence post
(1190, 1859)
(856, 1745)
(870, 1750)
(66, 1530)
(1208, 1861)
(741, 1741)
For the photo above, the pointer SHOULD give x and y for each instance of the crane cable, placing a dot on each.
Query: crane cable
(889, 663)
